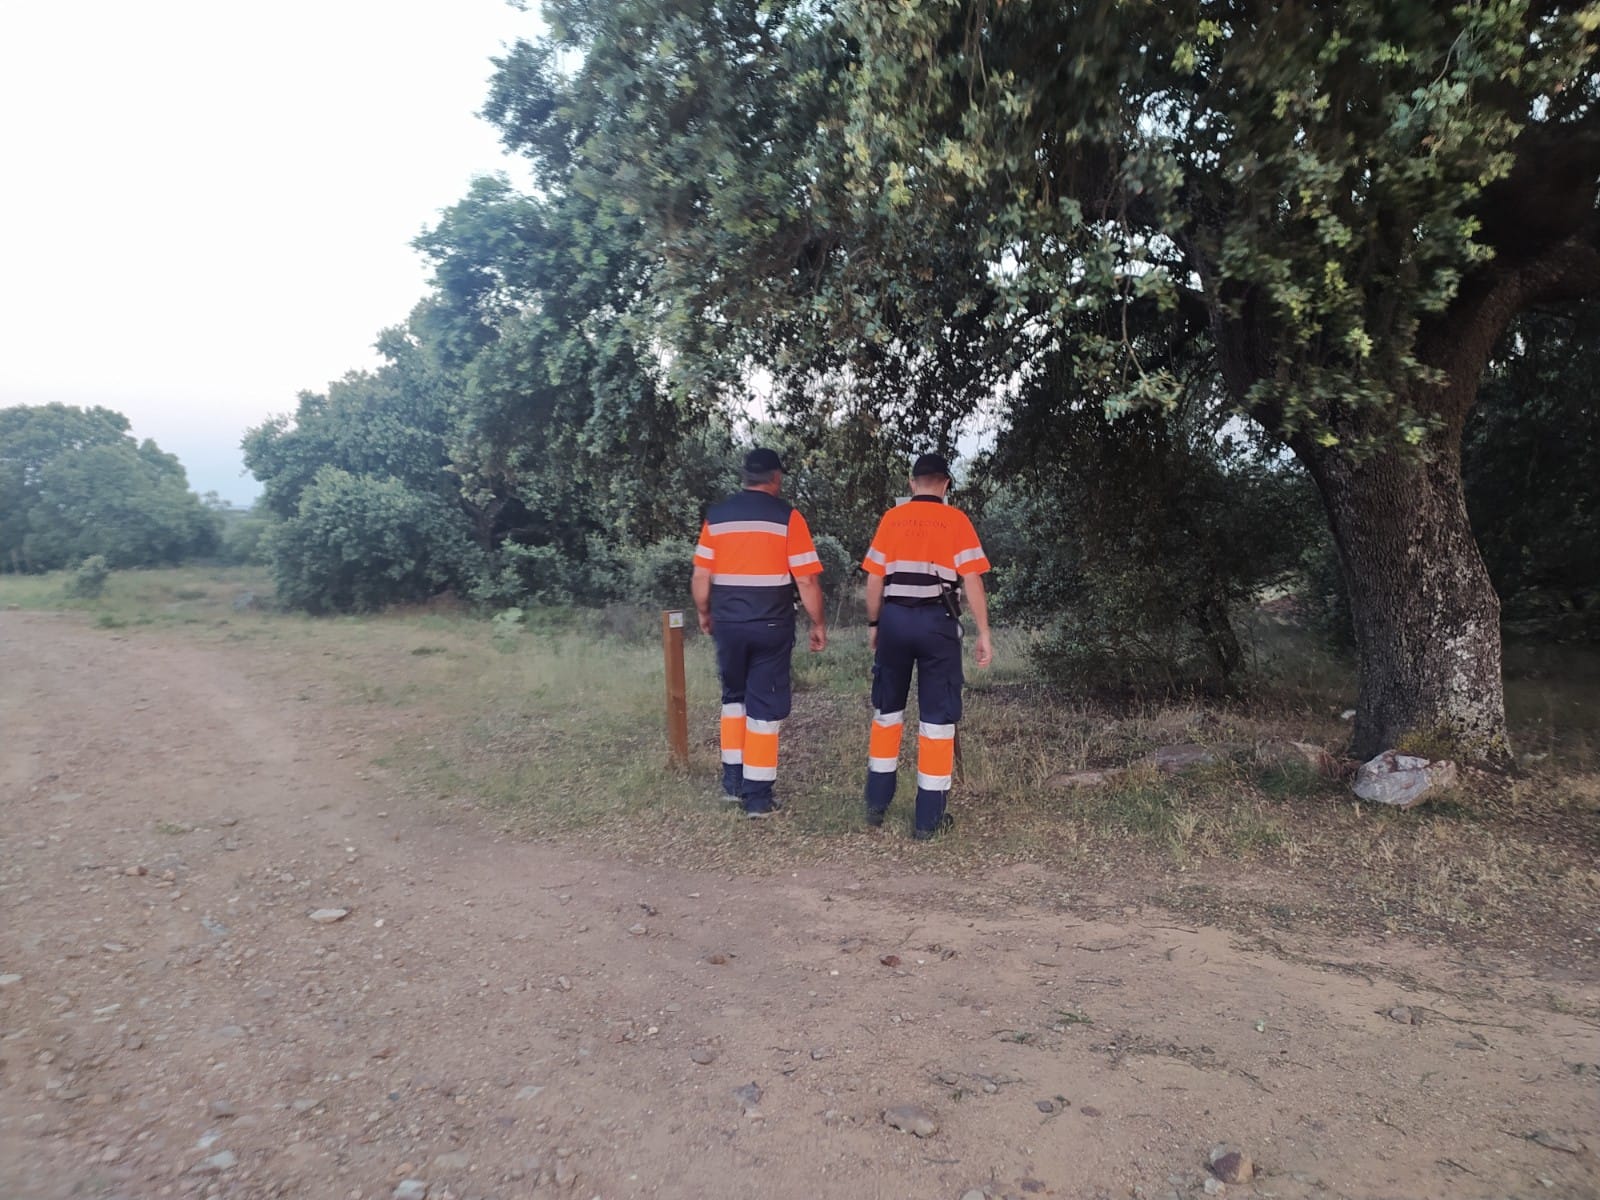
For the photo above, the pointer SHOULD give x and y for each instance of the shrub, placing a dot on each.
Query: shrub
(359, 542)
(89, 580)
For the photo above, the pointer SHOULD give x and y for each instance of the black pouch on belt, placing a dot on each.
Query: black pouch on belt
(951, 599)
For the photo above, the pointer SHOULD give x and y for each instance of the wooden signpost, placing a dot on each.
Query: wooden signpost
(677, 688)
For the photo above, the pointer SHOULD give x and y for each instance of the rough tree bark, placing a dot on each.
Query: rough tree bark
(1427, 620)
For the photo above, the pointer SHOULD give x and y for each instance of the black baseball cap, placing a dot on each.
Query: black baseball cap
(930, 464)
(761, 460)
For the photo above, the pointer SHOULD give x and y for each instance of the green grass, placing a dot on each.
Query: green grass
(556, 726)
(168, 596)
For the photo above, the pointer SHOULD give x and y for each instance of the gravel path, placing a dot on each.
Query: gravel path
(184, 1011)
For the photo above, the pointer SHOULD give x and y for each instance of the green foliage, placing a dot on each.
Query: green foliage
(1139, 540)
(245, 539)
(89, 580)
(360, 542)
(1531, 472)
(73, 484)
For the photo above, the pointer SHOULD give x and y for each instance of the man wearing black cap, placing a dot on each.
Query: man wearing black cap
(753, 548)
(922, 552)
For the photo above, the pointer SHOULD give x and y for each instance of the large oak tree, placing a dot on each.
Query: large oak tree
(1347, 200)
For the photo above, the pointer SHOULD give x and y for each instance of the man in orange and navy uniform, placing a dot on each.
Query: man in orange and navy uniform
(754, 547)
(923, 549)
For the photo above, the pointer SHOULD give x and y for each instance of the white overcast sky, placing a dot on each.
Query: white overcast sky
(207, 207)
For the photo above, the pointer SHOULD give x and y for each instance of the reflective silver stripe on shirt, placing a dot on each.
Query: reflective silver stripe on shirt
(771, 527)
(920, 591)
(800, 560)
(876, 556)
(751, 580)
(967, 556)
(704, 552)
(919, 568)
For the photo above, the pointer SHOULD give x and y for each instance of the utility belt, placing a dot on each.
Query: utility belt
(949, 599)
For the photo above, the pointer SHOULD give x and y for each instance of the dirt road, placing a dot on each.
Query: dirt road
(495, 1018)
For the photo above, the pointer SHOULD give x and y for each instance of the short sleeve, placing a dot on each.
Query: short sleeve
(876, 561)
(969, 556)
(802, 552)
(705, 555)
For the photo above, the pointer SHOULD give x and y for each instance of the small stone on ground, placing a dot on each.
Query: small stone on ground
(911, 1118)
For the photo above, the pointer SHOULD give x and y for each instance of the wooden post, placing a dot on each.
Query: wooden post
(677, 688)
(956, 772)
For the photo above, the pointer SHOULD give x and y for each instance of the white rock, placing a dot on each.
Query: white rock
(410, 1189)
(912, 1118)
(8, 980)
(327, 916)
(1401, 780)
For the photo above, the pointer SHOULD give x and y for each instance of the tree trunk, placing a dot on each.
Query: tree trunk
(1427, 620)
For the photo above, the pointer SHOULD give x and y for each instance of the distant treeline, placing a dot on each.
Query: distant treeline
(74, 484)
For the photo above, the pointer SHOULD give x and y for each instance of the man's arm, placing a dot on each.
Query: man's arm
(978, 602)
(874, 609)
(811, 597)
(700, 589)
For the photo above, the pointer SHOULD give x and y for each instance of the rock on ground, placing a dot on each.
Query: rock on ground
(1401, 780)
(911, 1118)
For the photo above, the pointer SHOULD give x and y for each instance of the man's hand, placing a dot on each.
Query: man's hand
(705, 622)
(983, 653)
(819, 639)
(872, 639)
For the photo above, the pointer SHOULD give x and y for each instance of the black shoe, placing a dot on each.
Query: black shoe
(945, 825)
(875, 819)
(756, 814)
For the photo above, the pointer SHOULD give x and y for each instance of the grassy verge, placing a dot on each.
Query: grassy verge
(557, 727)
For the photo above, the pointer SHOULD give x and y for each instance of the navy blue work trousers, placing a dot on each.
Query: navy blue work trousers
(925, 639)
(753, 662)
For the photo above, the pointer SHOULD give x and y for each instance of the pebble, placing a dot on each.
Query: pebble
(819, 1053)
(8, 980)
(1215, 1187)
(911, 1118)
(327, 916)
(1045, 1106)
(749, 1095)
(410, 1189)
(973, 1194)
(222, 1161)
(455, 1160)
(1403, 1015)
(304, 1105)
(566, 1174)
(223, 1109)
(529, 1092)
(636, 930)
(704, 1055)
(1231, 1165)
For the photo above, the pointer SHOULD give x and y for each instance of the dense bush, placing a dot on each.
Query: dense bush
(89, 580)
(359, 542)
(1137, 540)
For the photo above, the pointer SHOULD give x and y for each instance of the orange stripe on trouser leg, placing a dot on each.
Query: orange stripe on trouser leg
(883, 745)
(732, 733)
(936, 756)
(761, 749)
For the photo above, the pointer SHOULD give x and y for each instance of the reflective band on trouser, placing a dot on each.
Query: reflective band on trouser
(883, 748)
(733, 733)
(936, 756)
(761, 750)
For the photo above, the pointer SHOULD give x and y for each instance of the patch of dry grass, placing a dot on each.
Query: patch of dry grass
(557, 727)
